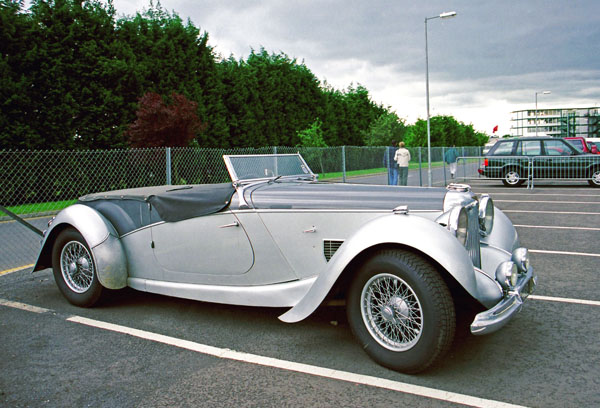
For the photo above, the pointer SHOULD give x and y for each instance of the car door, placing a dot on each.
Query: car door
(531, 150)
(560, 160)
(208, 249)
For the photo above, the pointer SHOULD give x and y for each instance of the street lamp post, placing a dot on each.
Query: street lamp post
(443, 15)
(536, 109)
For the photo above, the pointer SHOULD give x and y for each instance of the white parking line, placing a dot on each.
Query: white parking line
(297, 367)
(547, 202)
(23, 306)
(544, 194)
(224, 353)
(552, 212)
(542, 251)
(556, 227)
(565, 300)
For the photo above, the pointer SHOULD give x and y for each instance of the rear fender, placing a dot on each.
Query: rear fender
(101, 238)
(408, 230)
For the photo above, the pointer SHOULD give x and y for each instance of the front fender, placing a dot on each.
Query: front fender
(101, 238)
(412, 231)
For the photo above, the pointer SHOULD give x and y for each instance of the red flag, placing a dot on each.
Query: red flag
(495, 129)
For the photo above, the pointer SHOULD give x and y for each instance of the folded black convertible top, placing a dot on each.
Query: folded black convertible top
(128, 209)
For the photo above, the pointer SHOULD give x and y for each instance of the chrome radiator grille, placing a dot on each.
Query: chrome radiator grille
(473, 234)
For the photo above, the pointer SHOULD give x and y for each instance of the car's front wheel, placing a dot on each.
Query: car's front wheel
(401, 311)
(512, 178)
(74, 269)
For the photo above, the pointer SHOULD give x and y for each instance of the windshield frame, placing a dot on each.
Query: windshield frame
(237, 179)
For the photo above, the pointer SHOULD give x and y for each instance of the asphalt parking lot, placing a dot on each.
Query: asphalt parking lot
(138, 349)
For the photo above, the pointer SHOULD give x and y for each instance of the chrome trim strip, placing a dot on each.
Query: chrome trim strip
(326, 210)
(481, 271)
(142, 228)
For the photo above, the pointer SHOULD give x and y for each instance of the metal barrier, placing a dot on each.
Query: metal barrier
(518, 170)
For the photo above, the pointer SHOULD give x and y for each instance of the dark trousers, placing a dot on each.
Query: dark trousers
(403, 176)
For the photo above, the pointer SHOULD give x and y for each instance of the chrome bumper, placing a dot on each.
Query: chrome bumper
(495, 318)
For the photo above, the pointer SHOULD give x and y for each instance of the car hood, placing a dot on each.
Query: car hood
(316, 195)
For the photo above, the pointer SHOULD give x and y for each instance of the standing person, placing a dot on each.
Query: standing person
(402, 157)
(450, 157)
(390, 163)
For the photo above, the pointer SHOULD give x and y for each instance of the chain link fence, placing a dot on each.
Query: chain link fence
(38, 184)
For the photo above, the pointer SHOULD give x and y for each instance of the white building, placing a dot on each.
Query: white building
(556, 122)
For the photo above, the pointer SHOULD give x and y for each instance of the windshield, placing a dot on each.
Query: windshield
(267, 166)
(576, 143)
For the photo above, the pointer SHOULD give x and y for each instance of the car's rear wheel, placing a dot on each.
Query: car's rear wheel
(512, 177)
(75, 269)
(401, 311)
(594, 180)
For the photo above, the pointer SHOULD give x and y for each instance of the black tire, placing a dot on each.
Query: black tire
(408, 323)
(594, 180)
(74, 269)
(512, 177)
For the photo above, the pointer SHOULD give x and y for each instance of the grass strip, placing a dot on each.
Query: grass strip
(40, 207)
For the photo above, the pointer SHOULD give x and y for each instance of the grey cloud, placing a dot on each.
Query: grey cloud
(507, 49)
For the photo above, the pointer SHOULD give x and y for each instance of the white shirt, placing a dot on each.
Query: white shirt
(402, 157)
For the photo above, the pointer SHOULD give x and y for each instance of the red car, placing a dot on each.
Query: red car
(580, 144)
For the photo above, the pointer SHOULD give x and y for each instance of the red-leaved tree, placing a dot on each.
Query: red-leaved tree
(161, 124)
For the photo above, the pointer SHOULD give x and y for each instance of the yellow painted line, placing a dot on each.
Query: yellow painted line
(41, 217)
(17, 269)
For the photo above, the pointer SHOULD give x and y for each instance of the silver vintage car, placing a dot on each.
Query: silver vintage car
(406, 260)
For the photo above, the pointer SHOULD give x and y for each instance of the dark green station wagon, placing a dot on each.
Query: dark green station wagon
(516, 160)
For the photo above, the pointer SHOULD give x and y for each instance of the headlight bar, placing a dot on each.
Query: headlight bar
(486, 214)
(458, 223)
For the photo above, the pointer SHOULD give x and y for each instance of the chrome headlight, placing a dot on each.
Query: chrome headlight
(507, 274)
(520, 257)
(486, 214)
(458, 224)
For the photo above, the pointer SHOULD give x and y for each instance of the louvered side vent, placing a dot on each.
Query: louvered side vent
(473, 235)
(330, 247)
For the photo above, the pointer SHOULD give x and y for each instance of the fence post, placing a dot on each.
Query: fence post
(420, 173)
(444, 165)
(343, 164)
(531, 165)
(168, 161)
(464, 166)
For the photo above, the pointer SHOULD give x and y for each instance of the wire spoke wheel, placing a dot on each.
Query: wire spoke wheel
(77, 266)
(391, 312)
(401, 310)
(74, 269)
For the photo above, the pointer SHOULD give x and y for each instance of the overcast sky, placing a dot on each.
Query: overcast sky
(484, 63)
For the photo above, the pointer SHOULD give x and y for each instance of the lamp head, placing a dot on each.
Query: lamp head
(448, 14)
